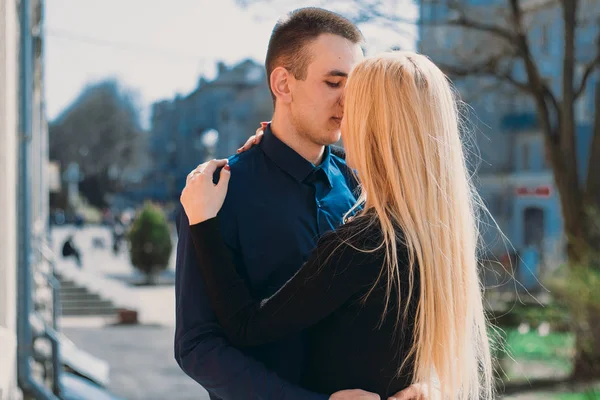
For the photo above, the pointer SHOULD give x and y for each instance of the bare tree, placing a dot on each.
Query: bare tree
(508, 46)
(100, 132)
(496, 43)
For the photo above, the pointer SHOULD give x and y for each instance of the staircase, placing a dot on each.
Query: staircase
(77, 300)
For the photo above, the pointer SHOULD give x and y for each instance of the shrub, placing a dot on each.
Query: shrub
(150, 242)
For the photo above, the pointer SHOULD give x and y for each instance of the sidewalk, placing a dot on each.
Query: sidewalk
(142, 366)
(111, 275)
(141, 359)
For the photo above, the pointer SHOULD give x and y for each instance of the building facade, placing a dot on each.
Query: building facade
(25, 292)
(9, 69)
(514, 176)
(31, 362)
(233, 104)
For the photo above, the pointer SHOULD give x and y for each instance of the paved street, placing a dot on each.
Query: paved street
(141, 360)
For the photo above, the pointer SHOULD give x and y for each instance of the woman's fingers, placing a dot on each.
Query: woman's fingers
(249, 143)
(254, 139)
(201, 198)
(259, 135)
(210, 167)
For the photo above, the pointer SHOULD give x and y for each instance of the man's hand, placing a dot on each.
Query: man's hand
(354, 394)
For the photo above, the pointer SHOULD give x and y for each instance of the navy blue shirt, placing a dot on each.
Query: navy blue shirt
(277, 206)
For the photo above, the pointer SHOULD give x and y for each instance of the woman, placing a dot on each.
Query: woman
(396, 287)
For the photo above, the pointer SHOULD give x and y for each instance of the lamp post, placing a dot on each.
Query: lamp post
(73, 176)
(209, 140)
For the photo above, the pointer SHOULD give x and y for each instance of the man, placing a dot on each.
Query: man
(284, 194)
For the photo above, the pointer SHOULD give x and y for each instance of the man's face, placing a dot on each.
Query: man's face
(317, 102)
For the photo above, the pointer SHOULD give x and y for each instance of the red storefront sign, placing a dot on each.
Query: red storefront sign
(539, 191)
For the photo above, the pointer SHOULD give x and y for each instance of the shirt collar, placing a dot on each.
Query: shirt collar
(291, 162)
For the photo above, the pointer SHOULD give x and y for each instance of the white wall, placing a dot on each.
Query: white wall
(8, 186)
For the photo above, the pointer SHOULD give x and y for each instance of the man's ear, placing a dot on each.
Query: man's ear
(281, 80)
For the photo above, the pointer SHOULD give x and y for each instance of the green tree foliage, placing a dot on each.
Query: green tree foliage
(150, 242)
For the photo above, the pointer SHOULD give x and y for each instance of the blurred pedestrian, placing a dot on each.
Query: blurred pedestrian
(69, 249)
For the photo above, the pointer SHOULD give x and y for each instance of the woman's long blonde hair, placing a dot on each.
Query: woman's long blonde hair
(401, 133)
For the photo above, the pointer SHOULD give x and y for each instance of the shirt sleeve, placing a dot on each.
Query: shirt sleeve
(326, 281)
(203, 351)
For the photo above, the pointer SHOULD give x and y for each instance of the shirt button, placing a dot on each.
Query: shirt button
(319, 204)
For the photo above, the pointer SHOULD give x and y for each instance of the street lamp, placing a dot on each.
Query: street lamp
(73, 176)
(209, 140)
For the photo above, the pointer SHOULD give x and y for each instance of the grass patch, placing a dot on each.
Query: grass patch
(589, 395)
(532, 346)
(531, 356)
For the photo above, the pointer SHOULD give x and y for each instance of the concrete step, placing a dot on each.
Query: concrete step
(90, 313)
(77, 300)
(68, 296)
(86, 303)
(89, 310)
(66, 282)
(74, 290)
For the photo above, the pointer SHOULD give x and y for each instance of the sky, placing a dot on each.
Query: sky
(159, 48)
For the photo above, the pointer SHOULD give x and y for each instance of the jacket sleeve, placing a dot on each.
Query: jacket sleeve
(203, 351)
(325, 282)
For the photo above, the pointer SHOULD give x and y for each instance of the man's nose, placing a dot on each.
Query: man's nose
(342, 98)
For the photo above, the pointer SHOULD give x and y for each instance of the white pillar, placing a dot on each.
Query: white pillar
(9, 78)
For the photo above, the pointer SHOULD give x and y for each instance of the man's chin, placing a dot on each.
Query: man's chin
(331, 136)
(331, 139)
(337, 137)
(334, 136)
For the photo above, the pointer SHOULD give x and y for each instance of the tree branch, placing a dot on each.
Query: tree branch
(589, 68)
(370, 11)
(593, 172)
(540, 5)
(550, 96)
(522, 86)
(539, 89)
(488, 68)
(464, 22)
(568, 72)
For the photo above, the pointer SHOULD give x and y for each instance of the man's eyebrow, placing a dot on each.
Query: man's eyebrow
(337, 72)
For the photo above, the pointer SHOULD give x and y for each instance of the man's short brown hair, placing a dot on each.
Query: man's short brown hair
(292, 33)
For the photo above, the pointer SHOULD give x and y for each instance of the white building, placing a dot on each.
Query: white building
(15, 240)
(9, 71)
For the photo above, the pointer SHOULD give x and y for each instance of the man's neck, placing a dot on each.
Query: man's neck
(287, 133)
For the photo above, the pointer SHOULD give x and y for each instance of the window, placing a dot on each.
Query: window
(534, 226)
(525, 156)
(433, 8)
(441, 36)
(582, 110)
(493, 205)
